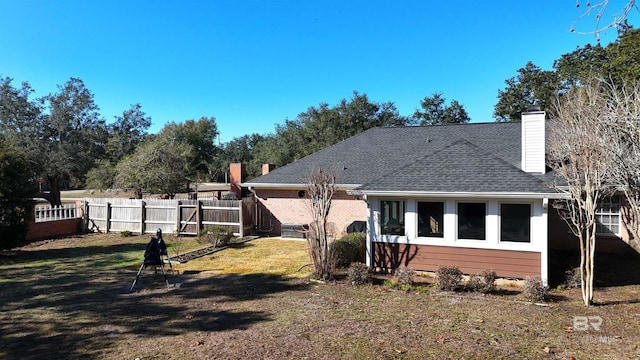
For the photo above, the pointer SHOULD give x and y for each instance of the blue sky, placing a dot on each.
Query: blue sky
(252, 64)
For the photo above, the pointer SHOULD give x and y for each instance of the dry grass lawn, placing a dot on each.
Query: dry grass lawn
(271, 256)
(69, 299)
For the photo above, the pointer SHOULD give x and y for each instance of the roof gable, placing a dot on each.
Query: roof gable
(462, 167)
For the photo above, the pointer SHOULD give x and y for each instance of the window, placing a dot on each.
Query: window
(608, 216)
(392, 217)
(515, 222)
(472, 221)
(430, 219)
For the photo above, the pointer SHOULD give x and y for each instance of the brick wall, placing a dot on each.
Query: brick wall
(561, 237)
(286, 207)
(52, 229)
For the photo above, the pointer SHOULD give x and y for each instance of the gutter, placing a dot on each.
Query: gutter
(272, 186)
(443, 194)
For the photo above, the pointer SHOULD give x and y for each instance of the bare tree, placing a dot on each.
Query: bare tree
(623, 124)
(577, 151)
(321, 186)
(605, 17)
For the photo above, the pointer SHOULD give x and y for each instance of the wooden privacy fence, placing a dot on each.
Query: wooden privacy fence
(184, 217)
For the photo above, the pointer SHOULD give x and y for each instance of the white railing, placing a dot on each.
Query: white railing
(52, 213)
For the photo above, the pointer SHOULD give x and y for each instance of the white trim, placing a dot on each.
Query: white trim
(273, 186)
(541, 227)
(500, 220)
(404, 216)
(610, 213)
(441, 194)
(486, 221)
(538, 226)
(444, 212)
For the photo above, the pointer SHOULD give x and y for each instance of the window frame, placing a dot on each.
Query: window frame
(403, 213)
(500, 237)
(609, 213)
(485, 222)
(441, 225)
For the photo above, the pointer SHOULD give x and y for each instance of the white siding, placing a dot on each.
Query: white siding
(533, 142)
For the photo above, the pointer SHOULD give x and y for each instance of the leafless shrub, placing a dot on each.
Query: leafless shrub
(484, 282)
(448, 278)
(534, 289)
(358, 274)
(404, 275)
(572, 278)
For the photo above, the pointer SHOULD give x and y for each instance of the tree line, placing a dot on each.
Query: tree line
(67, 144)
(60, 141)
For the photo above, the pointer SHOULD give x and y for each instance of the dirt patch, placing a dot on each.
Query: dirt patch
(69, 299)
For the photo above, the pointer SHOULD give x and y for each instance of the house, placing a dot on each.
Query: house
(476, 196)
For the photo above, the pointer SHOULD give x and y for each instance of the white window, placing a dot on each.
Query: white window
(472, 221)
(392, 217)
(608, 216)
(515, 222)
(430, 219)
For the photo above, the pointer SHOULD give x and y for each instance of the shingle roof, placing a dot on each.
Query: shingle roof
(480, 156)
(459, 167)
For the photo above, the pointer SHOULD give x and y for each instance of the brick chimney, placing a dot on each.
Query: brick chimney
(266, 168)
(237, 174)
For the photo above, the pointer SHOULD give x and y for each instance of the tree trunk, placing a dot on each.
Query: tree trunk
(53, 196)
(320, 190)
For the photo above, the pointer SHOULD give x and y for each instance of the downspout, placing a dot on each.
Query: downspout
(544, 251)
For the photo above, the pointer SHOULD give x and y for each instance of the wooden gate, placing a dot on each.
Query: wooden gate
(189, 217)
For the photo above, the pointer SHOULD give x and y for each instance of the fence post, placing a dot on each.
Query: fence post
(240, 218)
(85, 215)
(198, 217)
(143, 217)
(108, 222)
(178, 216)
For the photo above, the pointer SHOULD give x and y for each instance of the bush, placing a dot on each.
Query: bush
(534, 289)
(572, 278)
(484, 282)
(474, 283)
(16, 208)
(448, 278)
(125, 233)
(216, 236)
(349, 249)
(404, 275)
(358, 274)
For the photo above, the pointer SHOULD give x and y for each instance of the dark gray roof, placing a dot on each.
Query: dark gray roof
(396, 157)
(459, 167)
